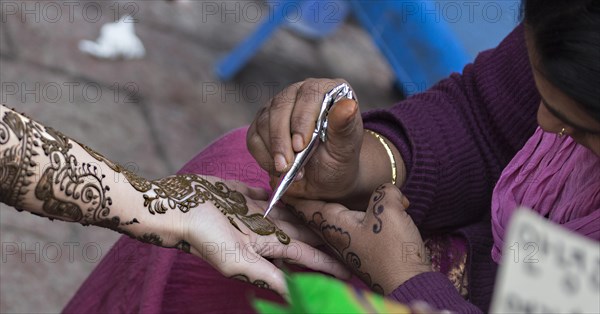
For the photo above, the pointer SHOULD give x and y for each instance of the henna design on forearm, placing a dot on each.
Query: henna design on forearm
(16, 161)
(64, 184)
(75, 182)
(137, 182)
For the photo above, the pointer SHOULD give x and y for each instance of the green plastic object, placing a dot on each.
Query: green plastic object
(316, 293)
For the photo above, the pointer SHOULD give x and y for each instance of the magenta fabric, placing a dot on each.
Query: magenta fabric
(555, 177)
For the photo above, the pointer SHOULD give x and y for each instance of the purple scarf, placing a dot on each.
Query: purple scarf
(555, 177)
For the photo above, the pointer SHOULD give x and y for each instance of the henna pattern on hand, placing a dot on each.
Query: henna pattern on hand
(188, 191)
(155, 239)
(378, 208)
(354, 262)
(115, 224)
(340, 240)
(183, 246)
(337, 238)
(259, 283)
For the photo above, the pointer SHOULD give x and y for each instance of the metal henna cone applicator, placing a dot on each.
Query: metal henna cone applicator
(319, 135)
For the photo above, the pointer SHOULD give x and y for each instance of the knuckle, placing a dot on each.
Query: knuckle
(329, 84)
(281, 100)
(254, 143)
(262, 121)
(311, 91)
(288, 94)
(229, 269)
(388, 186)
(302, 122)
(310, 80)
(277, 143)
(393, 194)
(261, 112)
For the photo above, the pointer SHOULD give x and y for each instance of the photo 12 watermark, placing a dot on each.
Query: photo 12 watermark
(235, 92)
(70, 11)
(323, 12)
(68, 92)
(51, 252)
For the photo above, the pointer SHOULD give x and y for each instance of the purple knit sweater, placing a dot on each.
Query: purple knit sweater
(455, 140)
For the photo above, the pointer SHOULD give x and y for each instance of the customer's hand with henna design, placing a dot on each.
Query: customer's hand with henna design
(382, 245)
(46, 173)
(235, 238)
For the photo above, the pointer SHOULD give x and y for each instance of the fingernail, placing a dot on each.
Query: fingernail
(280, 163)
(297, 142)
(405, 201)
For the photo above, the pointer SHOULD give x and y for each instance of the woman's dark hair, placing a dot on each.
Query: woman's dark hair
(566, 35)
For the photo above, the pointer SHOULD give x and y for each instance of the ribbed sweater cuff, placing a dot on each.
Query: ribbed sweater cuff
(434, 289)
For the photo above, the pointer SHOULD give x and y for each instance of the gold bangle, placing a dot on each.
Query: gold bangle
(388, 150)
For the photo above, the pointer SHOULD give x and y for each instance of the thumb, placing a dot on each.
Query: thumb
(345, 131)
(386, 200)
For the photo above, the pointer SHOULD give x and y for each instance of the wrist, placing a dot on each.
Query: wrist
(137, 221)
(168, 226)
(379, 163)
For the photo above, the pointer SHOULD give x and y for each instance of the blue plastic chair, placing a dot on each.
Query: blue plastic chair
(421, 39)
(312, 19)
(418, 52)
(425, 41)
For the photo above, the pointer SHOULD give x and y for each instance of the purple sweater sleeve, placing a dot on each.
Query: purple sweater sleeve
(440, 293)
(436, 289)
(457, 137)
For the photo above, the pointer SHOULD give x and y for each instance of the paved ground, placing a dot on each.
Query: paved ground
(152, 114)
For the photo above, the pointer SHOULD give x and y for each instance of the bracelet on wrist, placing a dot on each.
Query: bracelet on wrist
(390, 154)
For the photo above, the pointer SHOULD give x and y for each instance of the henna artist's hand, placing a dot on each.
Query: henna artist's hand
(284, 127)
(382, 246)
(229, 232)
